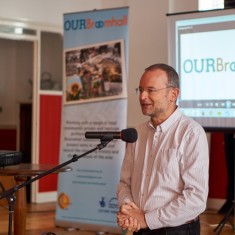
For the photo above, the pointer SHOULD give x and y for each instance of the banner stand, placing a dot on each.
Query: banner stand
(94, 100)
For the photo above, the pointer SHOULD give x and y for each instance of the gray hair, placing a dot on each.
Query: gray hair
(172, 75)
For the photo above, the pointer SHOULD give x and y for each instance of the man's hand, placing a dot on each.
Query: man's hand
(131, 217)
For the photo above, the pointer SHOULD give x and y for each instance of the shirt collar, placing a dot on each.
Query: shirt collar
(166, 125)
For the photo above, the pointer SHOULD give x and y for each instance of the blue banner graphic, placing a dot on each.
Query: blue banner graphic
(95, 99)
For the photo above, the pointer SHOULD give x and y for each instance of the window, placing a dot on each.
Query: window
(210, 4)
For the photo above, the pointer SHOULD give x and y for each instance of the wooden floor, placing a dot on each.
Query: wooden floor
(40, 220)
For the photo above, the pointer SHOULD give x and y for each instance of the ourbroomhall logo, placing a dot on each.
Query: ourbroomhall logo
(86, 24)
(208, 65)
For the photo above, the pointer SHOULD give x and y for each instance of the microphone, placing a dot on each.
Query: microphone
(128, 135)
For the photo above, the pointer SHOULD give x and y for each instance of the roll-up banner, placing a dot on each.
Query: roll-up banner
(94, 99)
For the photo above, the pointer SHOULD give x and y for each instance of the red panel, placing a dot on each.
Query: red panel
(218, 171)
(8, 139)
(49, 145)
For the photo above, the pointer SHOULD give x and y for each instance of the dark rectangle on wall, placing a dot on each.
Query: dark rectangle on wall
(7, 139)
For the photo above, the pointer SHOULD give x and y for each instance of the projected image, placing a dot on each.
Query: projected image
(95, 72)
(205, 65)
(204, 59)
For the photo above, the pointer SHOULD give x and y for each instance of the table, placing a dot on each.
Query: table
(21, 172)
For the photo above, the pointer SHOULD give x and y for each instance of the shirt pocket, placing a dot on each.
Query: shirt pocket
(168, 162)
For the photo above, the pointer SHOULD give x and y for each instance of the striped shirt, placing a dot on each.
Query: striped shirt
(165, 173)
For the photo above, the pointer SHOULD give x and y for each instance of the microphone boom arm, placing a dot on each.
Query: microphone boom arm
(104, 142)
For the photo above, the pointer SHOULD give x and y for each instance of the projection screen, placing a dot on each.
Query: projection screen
(202, 50)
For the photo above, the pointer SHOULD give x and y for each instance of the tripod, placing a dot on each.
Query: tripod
(11, 200)
(10, 194)
(227, 217)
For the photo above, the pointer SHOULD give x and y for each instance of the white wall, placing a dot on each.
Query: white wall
(176, 6)
(51, 11)
(148, 45)
(147, 30)
(51, 61)
(15, 73)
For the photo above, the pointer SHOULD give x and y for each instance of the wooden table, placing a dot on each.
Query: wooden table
(21, 172)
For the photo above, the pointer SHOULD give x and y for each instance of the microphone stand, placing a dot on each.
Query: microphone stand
(10, 194)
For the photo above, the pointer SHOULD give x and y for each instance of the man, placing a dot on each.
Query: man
(164, 177)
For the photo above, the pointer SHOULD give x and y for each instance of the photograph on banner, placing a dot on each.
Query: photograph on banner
(95, 72)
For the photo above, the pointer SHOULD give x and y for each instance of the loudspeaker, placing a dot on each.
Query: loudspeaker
(8, 157)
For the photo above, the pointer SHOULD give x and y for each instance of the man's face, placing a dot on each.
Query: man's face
(156, 98)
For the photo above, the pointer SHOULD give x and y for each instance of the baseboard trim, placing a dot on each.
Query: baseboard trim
(45, 197)
(215, 203)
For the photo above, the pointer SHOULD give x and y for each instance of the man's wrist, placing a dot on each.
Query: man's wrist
(145, 225)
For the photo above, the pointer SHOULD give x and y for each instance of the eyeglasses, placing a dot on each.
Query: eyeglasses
(150, 90)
